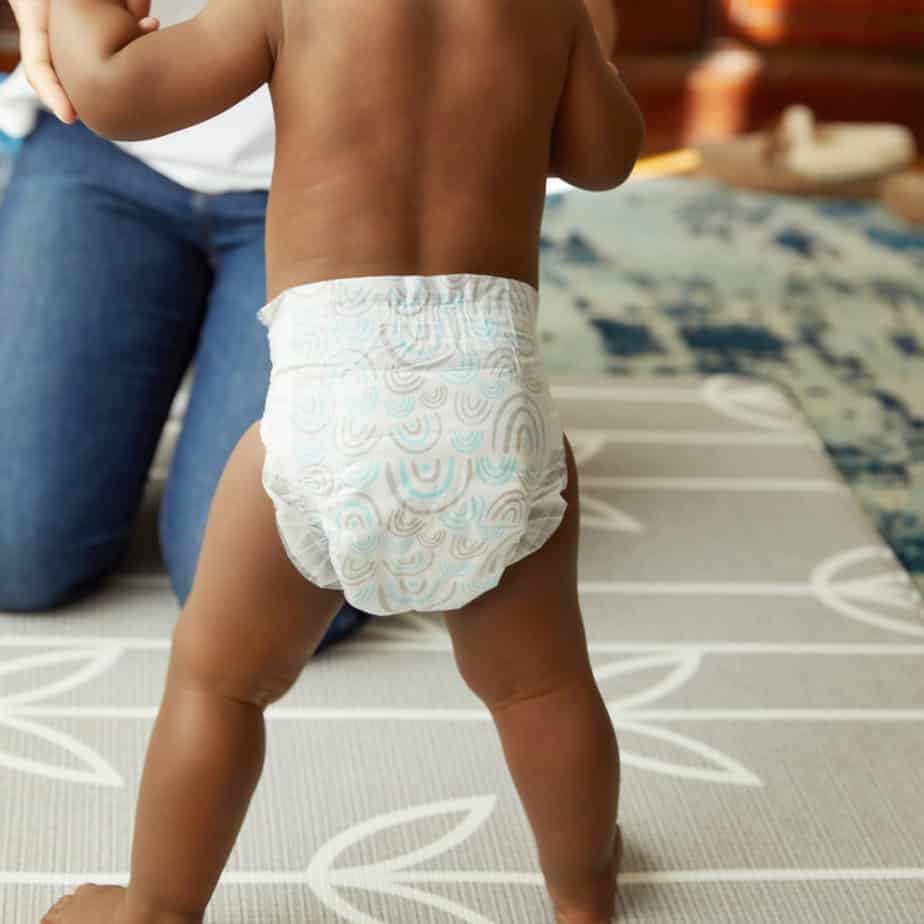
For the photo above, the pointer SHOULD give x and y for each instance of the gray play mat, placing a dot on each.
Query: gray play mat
(759, 646)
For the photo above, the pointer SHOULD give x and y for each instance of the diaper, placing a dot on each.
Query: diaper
(413, 450)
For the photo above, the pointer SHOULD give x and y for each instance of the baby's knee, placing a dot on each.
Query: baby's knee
(243, 676)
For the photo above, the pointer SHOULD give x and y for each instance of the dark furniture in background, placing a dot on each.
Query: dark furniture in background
(8, 38)
(707, 69)
(704, 70)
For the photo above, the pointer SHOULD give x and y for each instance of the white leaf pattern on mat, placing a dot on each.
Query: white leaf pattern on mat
(892, 588)
(725, 769)
(685, 664)
(388, 876)
(758, 404)
(96, 769)
(98, 662)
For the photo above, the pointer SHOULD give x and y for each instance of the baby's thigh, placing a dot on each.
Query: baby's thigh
(252, 620)
(527, 635)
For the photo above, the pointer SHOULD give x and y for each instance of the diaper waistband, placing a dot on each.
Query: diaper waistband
(407, 294)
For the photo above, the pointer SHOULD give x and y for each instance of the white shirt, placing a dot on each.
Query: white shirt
(233, 151)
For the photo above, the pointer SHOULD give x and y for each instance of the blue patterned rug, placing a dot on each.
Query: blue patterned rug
(823, 297)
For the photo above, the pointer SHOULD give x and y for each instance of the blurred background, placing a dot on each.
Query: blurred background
(704, 70)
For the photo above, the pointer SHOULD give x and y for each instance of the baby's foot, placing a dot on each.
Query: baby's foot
(93, 904)
(583, 916)
(90, 904)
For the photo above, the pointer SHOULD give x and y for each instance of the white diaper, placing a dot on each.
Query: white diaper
(413, 451)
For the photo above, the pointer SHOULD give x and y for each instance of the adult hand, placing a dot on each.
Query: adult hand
(32, 19)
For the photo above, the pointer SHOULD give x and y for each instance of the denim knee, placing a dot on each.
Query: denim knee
(39, 574)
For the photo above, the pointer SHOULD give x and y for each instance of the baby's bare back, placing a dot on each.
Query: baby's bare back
(413, 137)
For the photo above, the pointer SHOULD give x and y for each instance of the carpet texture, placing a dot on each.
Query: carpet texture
(824, 298)
(758, 644)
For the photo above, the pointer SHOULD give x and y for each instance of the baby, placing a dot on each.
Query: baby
(410, 457)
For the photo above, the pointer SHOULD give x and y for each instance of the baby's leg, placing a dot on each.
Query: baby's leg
(522, 650)
(250, 625)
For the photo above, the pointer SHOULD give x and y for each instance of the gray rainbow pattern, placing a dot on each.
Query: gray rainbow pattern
(413, 450)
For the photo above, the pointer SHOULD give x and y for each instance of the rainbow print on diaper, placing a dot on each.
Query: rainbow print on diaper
(413, 451)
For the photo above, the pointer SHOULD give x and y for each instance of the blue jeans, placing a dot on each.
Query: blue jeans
(113, 279)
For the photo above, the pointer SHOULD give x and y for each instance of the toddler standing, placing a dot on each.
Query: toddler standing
(410, 456)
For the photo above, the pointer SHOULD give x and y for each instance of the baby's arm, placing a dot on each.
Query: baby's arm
(598, 129)
(129, 84)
